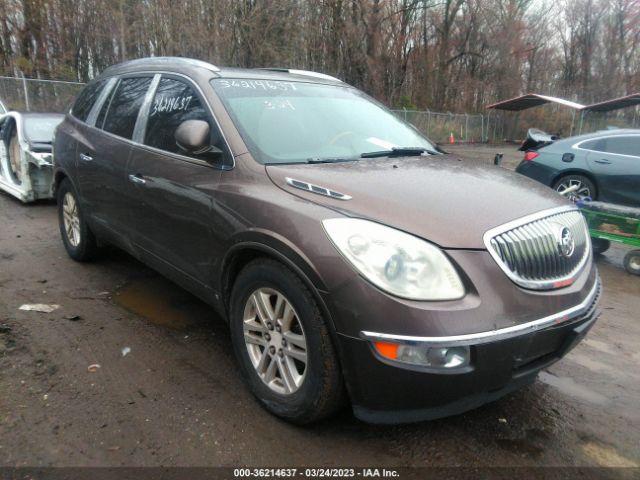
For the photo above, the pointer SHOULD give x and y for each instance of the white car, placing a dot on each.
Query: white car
(26, 169)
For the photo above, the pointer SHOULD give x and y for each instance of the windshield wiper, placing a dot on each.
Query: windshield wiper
(399, 152)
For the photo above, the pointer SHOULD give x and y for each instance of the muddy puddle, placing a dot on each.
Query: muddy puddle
(163, 303)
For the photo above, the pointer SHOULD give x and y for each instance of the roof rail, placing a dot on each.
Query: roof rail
(307, 73)
(160, 60)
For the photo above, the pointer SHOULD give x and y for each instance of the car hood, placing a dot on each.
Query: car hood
(443, 199)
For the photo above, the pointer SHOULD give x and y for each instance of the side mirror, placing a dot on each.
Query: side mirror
(193, 137)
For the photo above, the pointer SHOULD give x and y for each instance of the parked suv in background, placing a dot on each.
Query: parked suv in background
(350, 258)
(604, 165)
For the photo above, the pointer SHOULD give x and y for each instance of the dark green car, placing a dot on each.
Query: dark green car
(604, 166)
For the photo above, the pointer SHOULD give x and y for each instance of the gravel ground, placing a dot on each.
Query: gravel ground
(176, 399)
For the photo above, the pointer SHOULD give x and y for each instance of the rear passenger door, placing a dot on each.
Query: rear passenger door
(615, 161)
(104, 153)
(70, 134)
(175, 191)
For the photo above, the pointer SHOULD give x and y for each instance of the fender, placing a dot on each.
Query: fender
(280, 248)
(59, 174)
(272, 244)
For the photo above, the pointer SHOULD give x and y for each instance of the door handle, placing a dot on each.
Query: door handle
(603, 161)
(137, 179)
(85, 158)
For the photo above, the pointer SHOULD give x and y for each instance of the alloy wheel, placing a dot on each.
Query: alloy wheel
(71, 219)
(573, 189)
(275, 340)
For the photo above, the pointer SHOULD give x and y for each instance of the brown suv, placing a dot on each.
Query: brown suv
(351, 258)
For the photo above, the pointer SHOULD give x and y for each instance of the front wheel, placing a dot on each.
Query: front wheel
(78, 240)
(632, 262)
(283, 345)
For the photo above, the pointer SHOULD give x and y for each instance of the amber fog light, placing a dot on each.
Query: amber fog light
(425, 356)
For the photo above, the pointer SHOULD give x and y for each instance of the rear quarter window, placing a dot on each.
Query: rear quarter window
(86, 99)
(597, 145)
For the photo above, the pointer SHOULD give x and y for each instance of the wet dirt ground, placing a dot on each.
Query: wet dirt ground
(176, 399)
(511, 157)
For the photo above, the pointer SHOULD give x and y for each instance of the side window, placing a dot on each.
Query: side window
(124, 105)
(103, 110)
(597, 145)
(624, 145)
(86, 99)
(175, 101)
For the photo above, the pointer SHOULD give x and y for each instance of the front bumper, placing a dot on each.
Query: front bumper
(502, 360)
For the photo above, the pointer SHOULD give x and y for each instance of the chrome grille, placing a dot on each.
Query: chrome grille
(531, 251)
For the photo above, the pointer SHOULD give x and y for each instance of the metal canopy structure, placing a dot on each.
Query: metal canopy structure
(532, 100)
(615, 103)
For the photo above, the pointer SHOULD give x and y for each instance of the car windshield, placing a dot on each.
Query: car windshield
(294, 122)
(40, 129)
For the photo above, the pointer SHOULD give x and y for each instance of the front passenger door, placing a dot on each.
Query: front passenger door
(171, 214)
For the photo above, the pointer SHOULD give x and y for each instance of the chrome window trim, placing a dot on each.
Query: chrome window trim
(117, 77)
(536, 284)
(578, 147)
(97, 106)
(493, 335)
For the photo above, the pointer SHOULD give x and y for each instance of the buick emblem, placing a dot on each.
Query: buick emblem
(566, 243)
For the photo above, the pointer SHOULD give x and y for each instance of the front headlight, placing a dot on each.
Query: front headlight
(396, 262)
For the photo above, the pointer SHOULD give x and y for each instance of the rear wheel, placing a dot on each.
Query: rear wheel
(283, 345)
(632, 262)
(78, 240)
(575, 187)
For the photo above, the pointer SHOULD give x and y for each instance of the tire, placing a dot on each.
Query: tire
(82, 247)
(321, 392)
(600, 245)
(13, 156)
(587, 189)
(632, 262)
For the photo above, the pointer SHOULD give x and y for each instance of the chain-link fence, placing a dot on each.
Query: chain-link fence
(502, 126)
(35, 95)
(440, 127)
(623, 118)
